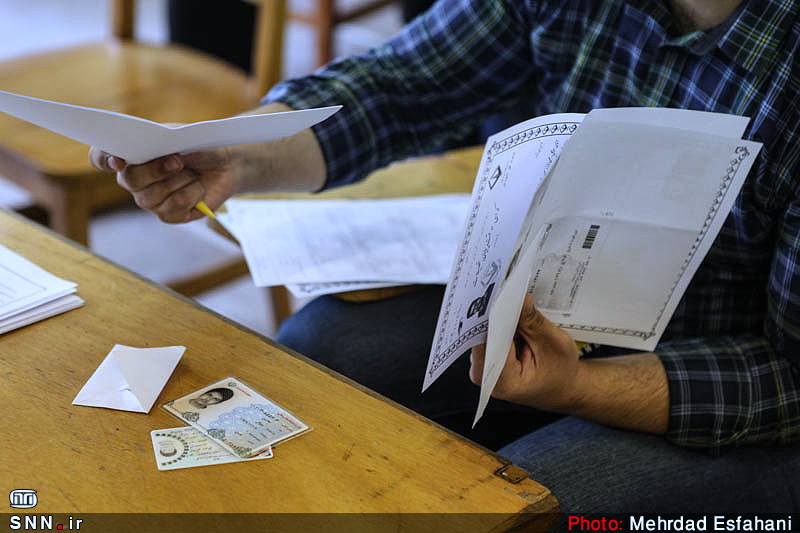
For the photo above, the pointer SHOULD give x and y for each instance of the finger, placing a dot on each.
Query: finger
(532, 323)
(510, 381)
(135, 178)
(104, 161)
(477, 356)
(158, 192)
(179, 206)
(524, 354)
(542, 335)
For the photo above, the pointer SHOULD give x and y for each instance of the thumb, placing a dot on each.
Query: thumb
(104, 161)
(477, 356)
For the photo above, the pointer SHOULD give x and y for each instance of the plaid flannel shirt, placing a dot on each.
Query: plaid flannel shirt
(731, 349)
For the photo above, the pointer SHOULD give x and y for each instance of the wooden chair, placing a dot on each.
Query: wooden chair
(327, 15)
(162, 83)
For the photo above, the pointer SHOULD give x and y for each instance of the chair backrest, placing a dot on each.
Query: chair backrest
(267, 37)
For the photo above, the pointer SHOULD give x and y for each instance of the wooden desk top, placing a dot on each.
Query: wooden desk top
(364, 455)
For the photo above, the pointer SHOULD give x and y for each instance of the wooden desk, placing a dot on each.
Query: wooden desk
(365, 454)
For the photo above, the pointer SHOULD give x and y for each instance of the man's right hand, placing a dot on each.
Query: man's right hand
(172, 185)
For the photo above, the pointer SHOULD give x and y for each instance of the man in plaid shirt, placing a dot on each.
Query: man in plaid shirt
(727, 372)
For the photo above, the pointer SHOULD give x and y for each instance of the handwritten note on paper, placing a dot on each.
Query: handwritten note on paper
(138, 140)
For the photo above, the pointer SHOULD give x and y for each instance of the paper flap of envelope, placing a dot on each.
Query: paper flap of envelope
(130, 379)
(146, 371)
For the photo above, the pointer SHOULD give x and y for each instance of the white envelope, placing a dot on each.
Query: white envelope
(130, 379)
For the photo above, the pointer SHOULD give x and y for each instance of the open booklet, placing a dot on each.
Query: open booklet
(603, 218)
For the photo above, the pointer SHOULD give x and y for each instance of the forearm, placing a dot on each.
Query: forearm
(629, 392)
(425, 87)
(291, 164)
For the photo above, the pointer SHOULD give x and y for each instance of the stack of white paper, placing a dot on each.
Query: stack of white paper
(325, 246)
(29, 294)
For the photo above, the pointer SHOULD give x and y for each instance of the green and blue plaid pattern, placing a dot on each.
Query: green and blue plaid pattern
(732, 349)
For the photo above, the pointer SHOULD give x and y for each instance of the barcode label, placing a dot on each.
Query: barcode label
(590, 236)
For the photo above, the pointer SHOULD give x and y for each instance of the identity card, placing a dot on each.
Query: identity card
(186, 447)
(236, 417)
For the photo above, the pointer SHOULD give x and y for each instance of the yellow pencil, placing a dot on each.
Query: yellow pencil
(203, 208)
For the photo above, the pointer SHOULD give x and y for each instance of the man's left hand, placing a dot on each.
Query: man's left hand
(542, 368)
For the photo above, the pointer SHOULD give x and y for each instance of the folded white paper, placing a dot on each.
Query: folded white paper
(130, 379)
(35, 314)
(138, 140)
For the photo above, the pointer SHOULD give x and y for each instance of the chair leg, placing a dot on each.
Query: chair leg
(69, 210)
(193, 285)
(268, 42)
(325, 24)
(281, 304)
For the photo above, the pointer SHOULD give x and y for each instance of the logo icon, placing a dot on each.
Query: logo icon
(494, 178)
(23, 498)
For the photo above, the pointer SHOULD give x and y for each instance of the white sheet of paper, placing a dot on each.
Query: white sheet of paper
(401, 240)
(617, 235)
(138, 140)
(310, 290)
(614, 260)
(130, 379)
(503, 318)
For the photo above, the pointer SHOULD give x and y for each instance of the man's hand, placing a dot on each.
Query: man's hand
(170, 186)
(542, 366)
(543, 370)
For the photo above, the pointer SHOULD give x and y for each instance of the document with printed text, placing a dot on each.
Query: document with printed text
(603, 220)
(321, 246)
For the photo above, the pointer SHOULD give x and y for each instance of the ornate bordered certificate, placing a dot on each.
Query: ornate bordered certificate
(605, 230)
(512, 169)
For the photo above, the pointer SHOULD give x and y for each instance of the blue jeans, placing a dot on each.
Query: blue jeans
(384, 345)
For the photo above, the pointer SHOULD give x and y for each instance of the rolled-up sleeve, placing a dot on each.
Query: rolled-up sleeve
(430, 83)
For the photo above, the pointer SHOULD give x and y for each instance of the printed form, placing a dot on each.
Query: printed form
(339, 245)
(607, 229)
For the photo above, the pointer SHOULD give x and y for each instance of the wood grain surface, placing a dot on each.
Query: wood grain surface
(364, 455)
